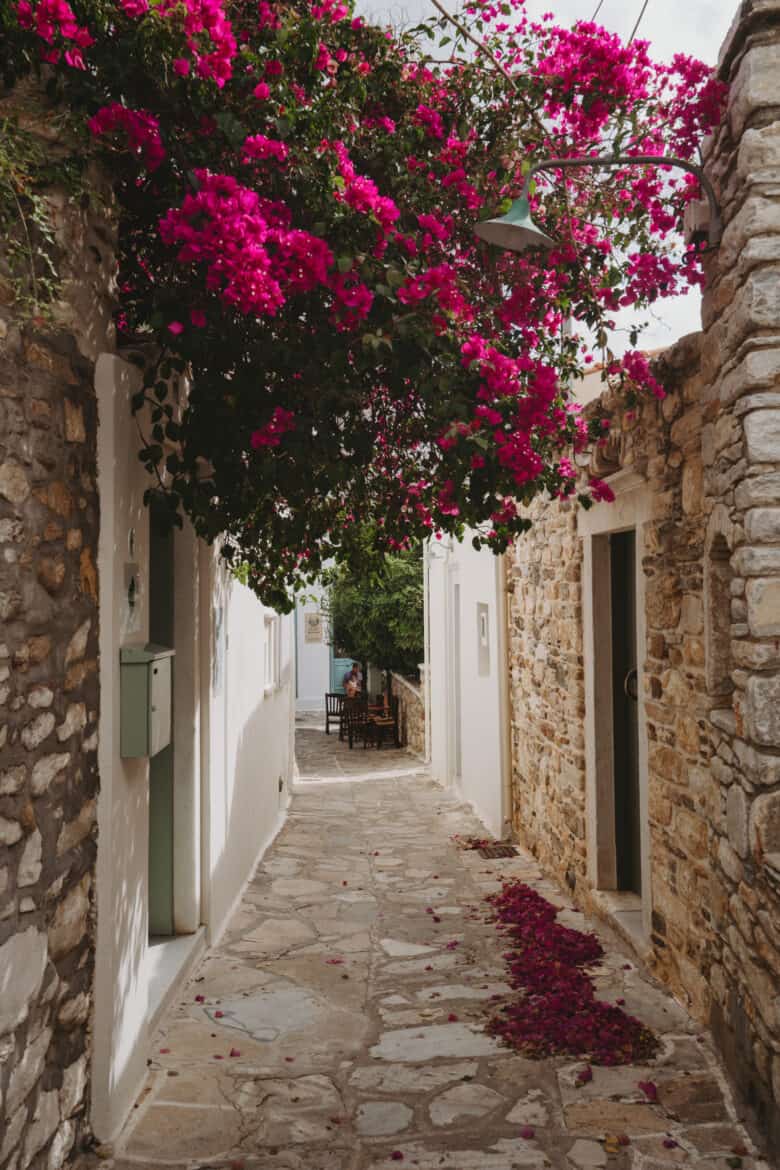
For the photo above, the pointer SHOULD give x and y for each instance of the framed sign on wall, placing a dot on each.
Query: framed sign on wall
(313, 628)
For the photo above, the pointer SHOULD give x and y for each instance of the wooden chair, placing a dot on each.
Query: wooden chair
(354, 719)
(334, 705)
(383, 725)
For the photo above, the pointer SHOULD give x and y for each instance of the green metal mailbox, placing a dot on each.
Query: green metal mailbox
(145, 699)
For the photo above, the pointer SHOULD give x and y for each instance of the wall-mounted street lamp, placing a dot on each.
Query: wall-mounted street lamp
(517, 231)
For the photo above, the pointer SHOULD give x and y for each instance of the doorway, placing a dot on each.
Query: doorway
(161, 774)
(625, 714)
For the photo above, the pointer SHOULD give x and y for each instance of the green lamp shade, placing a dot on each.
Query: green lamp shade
(514, 231)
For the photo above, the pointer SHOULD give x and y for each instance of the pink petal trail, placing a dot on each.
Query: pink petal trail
(527, 1132)
(650, 1090)
(557, 1011)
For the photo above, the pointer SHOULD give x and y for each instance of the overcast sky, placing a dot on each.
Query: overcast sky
(696, 27)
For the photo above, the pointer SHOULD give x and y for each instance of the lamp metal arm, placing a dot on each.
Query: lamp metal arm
(618, 160)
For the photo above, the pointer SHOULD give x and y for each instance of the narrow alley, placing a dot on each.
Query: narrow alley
(340, 1022)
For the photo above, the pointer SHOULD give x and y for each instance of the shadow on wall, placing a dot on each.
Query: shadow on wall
(251, 753)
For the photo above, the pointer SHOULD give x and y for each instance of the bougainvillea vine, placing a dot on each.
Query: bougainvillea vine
(297, 193)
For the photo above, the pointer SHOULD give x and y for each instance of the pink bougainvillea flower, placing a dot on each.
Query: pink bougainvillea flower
(650, 1089)
(397, 1156)
(601, 491)
(141, 131)
(198, 998)
(452, 1018)
(527, 1132)
(334, 962)
(234, 1052)
(134, 8)
(164, 1051)
(218, 1015)
(176, 328)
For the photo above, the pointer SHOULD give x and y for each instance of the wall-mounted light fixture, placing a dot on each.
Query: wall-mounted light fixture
(517, 231)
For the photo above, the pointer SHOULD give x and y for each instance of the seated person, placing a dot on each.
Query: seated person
(352, 681)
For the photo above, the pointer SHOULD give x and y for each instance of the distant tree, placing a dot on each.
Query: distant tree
(378, 617)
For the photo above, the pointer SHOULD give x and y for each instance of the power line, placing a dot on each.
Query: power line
(639, 21)
(598, 10)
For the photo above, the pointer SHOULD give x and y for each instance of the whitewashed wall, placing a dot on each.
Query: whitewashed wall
(466, 731)
(250, 748)
(121, 992)
(233, 745)
(313, 658)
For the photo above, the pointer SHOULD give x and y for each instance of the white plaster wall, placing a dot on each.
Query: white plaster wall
(121, 991)
(233, 741)
(313, 658)
(480, 779)
(250, 748)
(438, 659)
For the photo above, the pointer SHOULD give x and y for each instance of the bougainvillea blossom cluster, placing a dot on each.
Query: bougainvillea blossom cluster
(298, 191)
(557, 1012)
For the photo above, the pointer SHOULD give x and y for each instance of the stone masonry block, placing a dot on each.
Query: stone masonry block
(758, 490)
(762, 710)
(756, 562)
(763, 606)
(737, 810)
(759, 368)
(762, 525)
(757, 216)
(754, 88)
(762, 434)
(765, 824)
(22, 964)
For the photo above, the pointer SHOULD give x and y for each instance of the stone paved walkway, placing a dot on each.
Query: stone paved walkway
(328, 758)
(338, 1025)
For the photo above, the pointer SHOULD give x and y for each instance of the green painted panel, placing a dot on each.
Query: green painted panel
(338, 668)
(161, 602)
(161, 842)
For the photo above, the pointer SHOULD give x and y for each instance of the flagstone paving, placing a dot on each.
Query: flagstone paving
(339, 1026)
(321, 758)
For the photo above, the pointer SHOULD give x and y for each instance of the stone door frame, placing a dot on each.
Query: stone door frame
(631, 509)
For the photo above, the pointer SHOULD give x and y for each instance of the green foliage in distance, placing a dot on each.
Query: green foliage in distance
(378, 618)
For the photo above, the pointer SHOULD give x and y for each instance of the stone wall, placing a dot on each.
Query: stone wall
(708, 460)
(411, 714)
(49, 703)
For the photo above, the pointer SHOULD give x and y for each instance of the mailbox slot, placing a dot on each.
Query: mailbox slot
(146, 686)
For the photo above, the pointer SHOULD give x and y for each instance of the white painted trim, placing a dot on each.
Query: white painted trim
(632, 508)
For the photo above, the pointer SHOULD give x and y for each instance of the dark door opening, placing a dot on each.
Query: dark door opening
(625, 715)
(161, 603)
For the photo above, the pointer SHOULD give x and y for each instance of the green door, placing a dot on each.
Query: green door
(625, 711)
(161, 595)
(338, 668)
